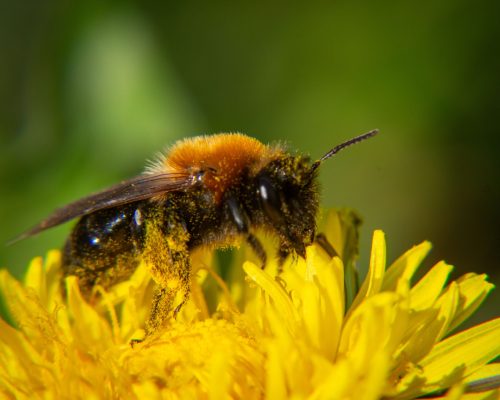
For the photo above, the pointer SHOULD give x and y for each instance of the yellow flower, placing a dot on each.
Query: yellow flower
(253, 335)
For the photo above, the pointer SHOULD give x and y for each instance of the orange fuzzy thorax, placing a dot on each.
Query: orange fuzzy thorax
(223, 158)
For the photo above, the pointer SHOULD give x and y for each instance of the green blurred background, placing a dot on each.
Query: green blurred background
(89, 91)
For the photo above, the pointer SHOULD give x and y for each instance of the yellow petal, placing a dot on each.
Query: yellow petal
(405, 266)
(219, 379)
(137, 297)
(90, 329)
(331, 304)
(23, 304)
(485, 378)
(334, 232)
(275, 374)
(377, 317)
(427, 290)
(367, 357)
(44, 280)
(427, 326)
(341, 229)
(35, 279)
(473, 289)
(458, 392)
(280, 298)
(460, 355)
(447, 305)
(321, 301)
(420, 336)
(455, 393)
(375, 278)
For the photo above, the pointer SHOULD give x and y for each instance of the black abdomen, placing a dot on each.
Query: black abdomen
(103, 247)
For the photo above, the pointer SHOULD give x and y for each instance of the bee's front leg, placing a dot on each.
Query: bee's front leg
(167, 257)
(324, 243)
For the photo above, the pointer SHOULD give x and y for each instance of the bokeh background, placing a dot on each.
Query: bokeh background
(88, 91)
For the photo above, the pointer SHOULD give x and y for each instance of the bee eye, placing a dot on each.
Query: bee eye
(270, 199)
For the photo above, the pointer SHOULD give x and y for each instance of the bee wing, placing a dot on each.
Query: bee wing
(139, 188)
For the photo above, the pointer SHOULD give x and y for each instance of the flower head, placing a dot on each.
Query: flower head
(255, 335)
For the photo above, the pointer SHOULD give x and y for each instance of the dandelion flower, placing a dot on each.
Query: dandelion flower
(255, 335)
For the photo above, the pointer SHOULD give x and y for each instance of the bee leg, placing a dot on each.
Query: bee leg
(161, 303)
(163, 308)
(326, 245)
(167, 256)
(257, 248)
(240, 219)
(283, 253)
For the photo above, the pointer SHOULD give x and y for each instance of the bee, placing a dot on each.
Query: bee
(207, 191)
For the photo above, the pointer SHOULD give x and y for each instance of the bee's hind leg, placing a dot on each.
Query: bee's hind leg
(167, 256)
(163, 307)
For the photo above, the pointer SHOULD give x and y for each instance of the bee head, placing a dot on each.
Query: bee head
(288, 196)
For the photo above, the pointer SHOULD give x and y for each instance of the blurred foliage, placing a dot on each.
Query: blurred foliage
(89, 90)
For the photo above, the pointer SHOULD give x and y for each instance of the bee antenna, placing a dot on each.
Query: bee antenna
(342, 146)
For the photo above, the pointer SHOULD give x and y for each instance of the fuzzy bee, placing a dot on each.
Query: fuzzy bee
(212, 191)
